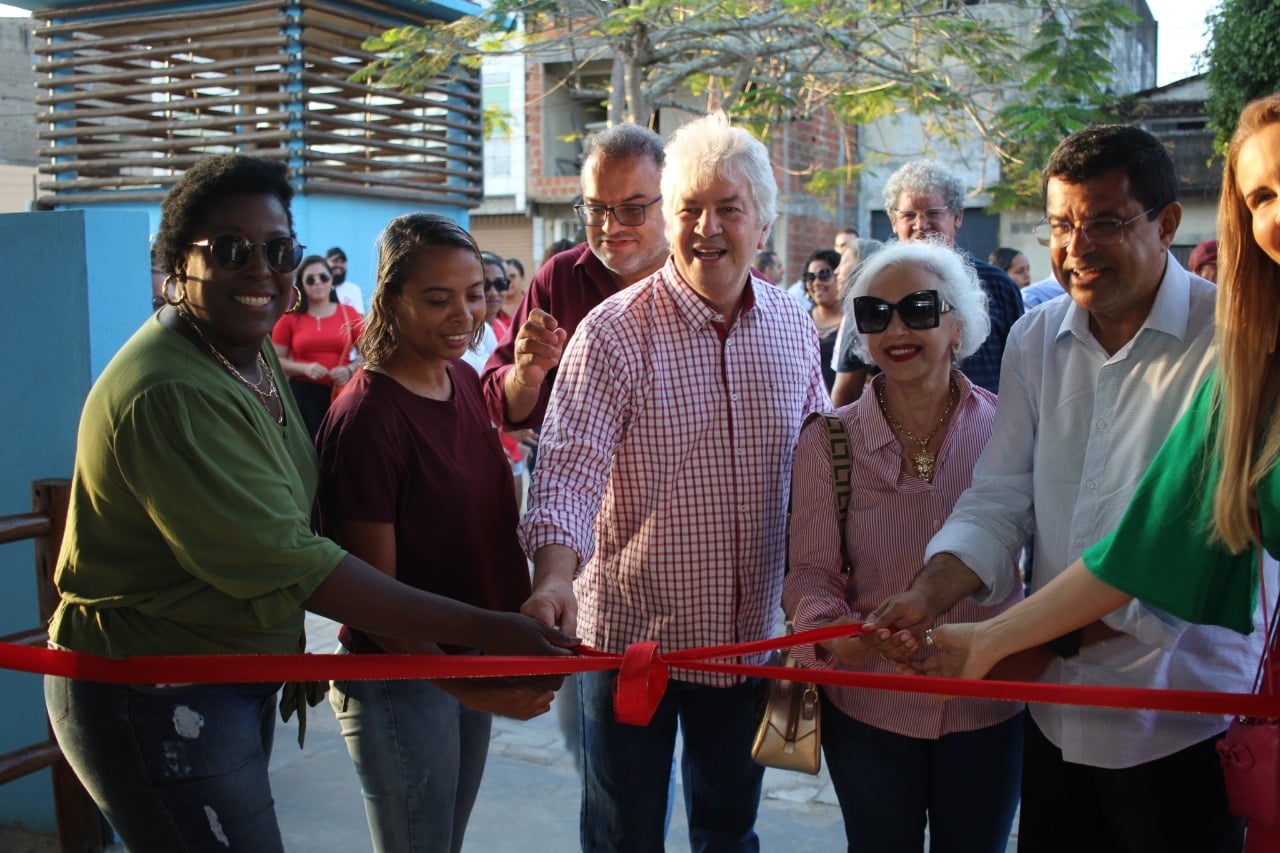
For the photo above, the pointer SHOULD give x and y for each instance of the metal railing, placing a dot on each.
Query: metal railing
(80, 825)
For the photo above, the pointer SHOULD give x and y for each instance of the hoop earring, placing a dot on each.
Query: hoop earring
(297, 300)
(955, 352)
(171, 282)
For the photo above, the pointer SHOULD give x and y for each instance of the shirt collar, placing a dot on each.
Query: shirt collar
(1170, 313)
(694, 310)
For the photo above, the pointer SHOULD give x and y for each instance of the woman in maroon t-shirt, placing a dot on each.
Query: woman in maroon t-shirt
(414, 480)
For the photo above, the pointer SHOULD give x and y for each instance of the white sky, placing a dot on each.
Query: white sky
(1182, 35)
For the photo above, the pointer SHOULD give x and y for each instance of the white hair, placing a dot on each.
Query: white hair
(710, 148)
(958, 286)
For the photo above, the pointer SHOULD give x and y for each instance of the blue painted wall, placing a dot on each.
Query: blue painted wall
(324, 221)
(78, 287)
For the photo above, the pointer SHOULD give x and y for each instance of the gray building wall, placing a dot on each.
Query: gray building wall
(17, 93)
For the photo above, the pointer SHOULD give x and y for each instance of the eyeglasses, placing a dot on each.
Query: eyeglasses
(920, 310)
(323, 278)
(911, 217)
(232, 252)
(1105, 231)
(496, 283)
(825, 274)
(594, 215)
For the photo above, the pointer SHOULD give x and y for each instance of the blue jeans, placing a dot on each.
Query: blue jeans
(419, 754)
(626, 769)
(965, 785)
(173, 768)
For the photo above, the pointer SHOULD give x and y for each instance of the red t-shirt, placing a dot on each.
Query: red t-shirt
(327, 341)
(436, 471)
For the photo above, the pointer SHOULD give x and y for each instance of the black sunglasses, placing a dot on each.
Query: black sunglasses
(232, 252)
(824, 274)
(323, 278)
(920, 310)
(497, 283)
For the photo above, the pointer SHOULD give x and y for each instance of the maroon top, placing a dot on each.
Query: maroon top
(436, 471)
(567, 287)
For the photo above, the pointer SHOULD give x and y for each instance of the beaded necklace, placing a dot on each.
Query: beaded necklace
(264, 369)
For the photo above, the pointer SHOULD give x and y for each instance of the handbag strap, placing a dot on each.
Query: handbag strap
(841, 471)
(1264, 678)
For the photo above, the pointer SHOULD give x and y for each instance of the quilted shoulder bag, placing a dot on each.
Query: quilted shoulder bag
(789, 734)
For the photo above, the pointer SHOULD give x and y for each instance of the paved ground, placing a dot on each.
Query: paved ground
(528, 800)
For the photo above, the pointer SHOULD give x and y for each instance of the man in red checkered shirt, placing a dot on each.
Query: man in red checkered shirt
(658, 509)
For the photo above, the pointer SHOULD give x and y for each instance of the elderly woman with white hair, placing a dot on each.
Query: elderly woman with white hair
(901, 760)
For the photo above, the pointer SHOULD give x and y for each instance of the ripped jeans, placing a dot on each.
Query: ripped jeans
(173, 768)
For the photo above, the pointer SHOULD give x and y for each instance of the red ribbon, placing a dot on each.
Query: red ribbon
(643, 674)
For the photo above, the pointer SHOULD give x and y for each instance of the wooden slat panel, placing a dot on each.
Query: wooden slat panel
(225, 82)
(176, 144)
(314, 137)
(373, 165)
(185, 70)
(313, 79)
(457, 195)
(86, 17)
(135, 106)
(156, 52)
(167, 128)
(324, 121)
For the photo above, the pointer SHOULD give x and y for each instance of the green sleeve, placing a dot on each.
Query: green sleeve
(234, 508)
(1161, 551)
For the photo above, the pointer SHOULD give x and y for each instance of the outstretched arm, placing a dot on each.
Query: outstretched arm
(1070, 601)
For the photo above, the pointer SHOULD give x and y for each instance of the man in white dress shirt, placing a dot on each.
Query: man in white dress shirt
(349, 293)
(1090, 387)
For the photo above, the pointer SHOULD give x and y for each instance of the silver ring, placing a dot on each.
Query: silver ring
(928, 636)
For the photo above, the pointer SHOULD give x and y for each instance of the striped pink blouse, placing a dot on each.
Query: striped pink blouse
(891, 518)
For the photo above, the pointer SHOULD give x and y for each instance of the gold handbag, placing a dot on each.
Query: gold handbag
(789, 735)
(790, 732)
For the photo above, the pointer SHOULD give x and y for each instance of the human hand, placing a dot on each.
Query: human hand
(341, 374)
(497, 696)
(904, 616)
(909, 610)
(961, 652)
(538, 347)
(853, 651)
(315, 370)
(517, 634)
(553, 603)
(526, 437)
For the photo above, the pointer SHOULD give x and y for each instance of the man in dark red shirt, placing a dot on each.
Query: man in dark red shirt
(622, 215)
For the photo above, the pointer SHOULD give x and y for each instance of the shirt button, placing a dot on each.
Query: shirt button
(1102, 424)
(1090, 484)
(733, 397)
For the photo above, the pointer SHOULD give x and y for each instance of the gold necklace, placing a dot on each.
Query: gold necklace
(923, 461)
(264, 369)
